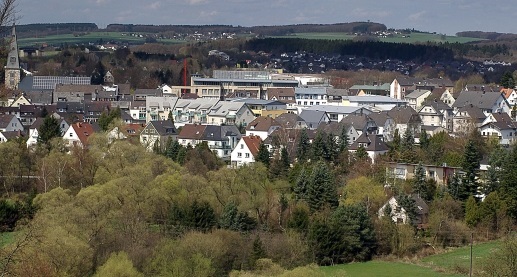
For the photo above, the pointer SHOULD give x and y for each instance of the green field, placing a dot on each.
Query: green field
(452, 263)
(413, 37)
(92, 37)
(6, 238)
(459, 259)
(381, 269)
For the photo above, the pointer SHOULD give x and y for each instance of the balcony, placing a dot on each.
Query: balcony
(219, 147)
(231, 116)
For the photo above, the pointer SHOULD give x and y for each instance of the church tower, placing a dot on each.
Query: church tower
(12, 68)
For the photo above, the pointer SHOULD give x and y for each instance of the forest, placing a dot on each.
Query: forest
(180, 211)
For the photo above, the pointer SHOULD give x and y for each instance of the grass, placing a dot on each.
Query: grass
(459, 259)
(92, 37)
(6, 238)
(452, 263)
(413, 37)
(381, 269)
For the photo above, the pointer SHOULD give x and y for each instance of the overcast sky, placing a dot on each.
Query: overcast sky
(442, 16)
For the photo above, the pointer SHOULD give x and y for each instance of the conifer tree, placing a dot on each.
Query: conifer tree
(303, 147)
(321, 189)
(470, 165)
(48, 130)
(343, 140)
(263, 154)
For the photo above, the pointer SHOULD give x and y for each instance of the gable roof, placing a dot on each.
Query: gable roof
(5, 119)
(359, 121)
(417, 93)
(313, 118)
(289, 120)
(253, 143)
(474, 112)
(164, 127)
(261, 124)
(220, 132)
(402, 115)
(192, 131)
(380, 118)
(374, 143)
(481, 99)
(506, 92)
(83, 130)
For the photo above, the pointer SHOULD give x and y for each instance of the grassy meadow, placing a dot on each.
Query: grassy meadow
(455, 262)
(412, 38)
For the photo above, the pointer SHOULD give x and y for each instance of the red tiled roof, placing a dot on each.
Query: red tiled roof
(253, 143)
(192, 131)
(83, 130)
(261, 123)
(506, 92)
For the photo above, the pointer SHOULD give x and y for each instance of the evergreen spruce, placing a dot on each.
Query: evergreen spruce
(318, 146)
(321, 189)
(343, 140)
(303, 149)
(263, 155)
(470, 165)
(424, 140)
(419, 181)
(48, 130)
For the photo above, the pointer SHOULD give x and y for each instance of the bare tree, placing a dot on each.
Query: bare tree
(7, 13)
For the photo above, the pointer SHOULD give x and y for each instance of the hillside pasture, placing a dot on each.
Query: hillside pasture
(399, 38)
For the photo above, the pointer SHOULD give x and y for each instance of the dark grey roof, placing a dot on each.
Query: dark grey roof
(332, 127)
(220, 133)
(403, 115)
(359, 121)
(289, 120)
(70, 107)
(474, 113)
(164, 128)
(313, 118)
(374, 143)
(5, 119)
(417, 93)
(40, 97)
(481, 99)
(379, 118)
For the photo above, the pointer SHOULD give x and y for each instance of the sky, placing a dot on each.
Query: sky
(441, 16)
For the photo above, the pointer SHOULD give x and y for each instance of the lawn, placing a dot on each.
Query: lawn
(92, 37)
(459, 259)
(380, 269)
(6, 238)
(412, 38)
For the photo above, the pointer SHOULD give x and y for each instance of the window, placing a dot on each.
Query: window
(239, 154)
(71, 135)
(247, 155)
(242, 146)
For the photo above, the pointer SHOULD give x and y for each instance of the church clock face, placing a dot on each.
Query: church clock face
(13, 59)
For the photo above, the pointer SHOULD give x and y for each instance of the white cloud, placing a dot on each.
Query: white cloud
(197, 2)
(417, 16)
(362, 13)
(154, 6)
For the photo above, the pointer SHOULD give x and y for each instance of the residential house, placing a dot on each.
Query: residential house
(193, 110)
(29, 113)
(382, 103)
(313, 119)
(10, 123)
(93, 110)
(20, 100)
(336, 128)
(501, 127)
(372, 143)
(34, 133)
(64, 92)
(260, 107)
(416, 98)
(291, 121)
(405, 171)
(361, 122)
(337, 113)
(377, 90)
(437, 113)
(245, 151)
(406, 117)
(39, 97)
(385, 125)
(230, 113)
(157, 133)
(78, 134)
(399, 214)
(488, 101)
(191, 134)
(443, 94)
(142, 94)
(467, 119)
(221, 139)
(310, 96)
(5, 136)
(285, 95)
(158, 108)
(336, 96)
(262, 126)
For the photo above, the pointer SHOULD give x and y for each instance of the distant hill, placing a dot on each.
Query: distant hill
(45, 29)
(353, 27)
(487, 35)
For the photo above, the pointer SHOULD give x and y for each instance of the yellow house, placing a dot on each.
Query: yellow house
(269, 108)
